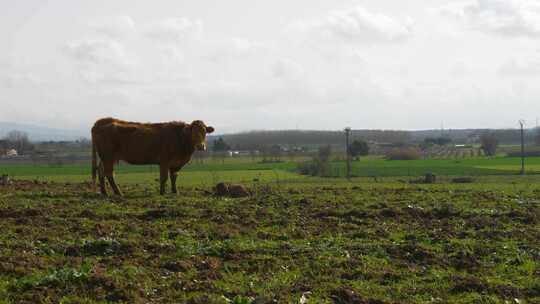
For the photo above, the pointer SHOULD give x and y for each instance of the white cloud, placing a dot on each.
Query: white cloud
(358, 25)
(520, 68)
(286, 69)
(102, 60)
(115, 27)
(21, 79)
(98, 51)
(509, 18)
(172, 54)
(175, 30)
(369, 66)
(233, 49)
(244, 45)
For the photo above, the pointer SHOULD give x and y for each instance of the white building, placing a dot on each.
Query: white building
(11, 153)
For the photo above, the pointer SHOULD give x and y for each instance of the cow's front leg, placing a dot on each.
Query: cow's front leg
(163, 172)
(108, 169)
(173, 174)
(101, 176)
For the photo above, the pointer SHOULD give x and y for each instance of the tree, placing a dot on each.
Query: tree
(320, 165)
(489, 144)
(358, 148)
(220, 145)
(322, 162)
(19, 141)
(537, 136)
(438, 140)
(324, 153)
(84, 142)
(275, 152)
(265, 151)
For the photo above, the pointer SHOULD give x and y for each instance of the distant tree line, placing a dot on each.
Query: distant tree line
(489, 143)
(438, 140)
(319, 165)
(220, 145)
(17, 140)
(358, 148)
(257, 140)
(511, 136)
(250, 140)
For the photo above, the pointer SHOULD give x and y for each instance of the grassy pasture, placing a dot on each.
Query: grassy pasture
(443, 167)
(326, 240)
(329, 242)
(243, 169)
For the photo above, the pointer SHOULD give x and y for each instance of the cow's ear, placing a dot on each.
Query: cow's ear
(209, 129)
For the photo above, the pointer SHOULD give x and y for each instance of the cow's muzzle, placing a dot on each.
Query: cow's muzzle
(200, 147)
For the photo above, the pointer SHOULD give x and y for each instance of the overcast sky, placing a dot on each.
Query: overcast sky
(253, 64)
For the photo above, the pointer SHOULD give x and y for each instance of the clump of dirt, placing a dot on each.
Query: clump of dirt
(4, 180)
(387, 212)
(304, 201)
(413, 253)
(446, 210)
(238, 191)
(463, 260)
(20, 213)
(474, 284)
(349, 296)
(86, 213)
(429, 178)
(529, 217)
(467, 284)
(462, 180)
(177, 266)
(231, 190)
(222, 189)
(100, 247)
(159, 213)
(264, 300)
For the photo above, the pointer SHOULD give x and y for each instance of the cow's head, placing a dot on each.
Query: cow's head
(198, 134)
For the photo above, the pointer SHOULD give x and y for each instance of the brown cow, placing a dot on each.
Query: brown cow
(169, 145)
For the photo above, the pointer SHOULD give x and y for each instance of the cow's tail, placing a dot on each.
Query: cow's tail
(94, 162)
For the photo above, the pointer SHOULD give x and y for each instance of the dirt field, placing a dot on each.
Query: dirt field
(363, 243)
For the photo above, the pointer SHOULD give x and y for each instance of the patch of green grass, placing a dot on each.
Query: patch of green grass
(245, 170)
(327, 239)
(444, 167)
(56, 278)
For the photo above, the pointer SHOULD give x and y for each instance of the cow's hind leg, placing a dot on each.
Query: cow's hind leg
(101, 176)
(173, 174)
(108, 166)
(163, 172)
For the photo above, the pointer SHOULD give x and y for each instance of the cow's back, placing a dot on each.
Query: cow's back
(135, 143)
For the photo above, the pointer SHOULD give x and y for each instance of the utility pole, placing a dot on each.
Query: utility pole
(348, 151)
(521, 123)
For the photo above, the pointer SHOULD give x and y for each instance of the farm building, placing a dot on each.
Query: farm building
(10, 153)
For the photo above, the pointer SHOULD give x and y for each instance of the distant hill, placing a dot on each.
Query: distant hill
(253, 139)
(39, 133)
